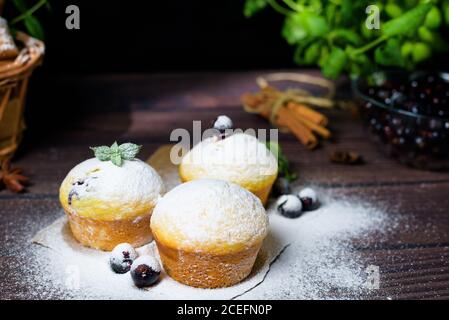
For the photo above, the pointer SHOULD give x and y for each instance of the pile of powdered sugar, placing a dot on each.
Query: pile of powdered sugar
(315, 256)
(323, 260)
(85, 273)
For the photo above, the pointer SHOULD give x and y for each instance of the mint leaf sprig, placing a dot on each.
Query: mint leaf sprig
(116, 153)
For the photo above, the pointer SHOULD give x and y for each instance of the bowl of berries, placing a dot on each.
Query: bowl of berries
(408, 115)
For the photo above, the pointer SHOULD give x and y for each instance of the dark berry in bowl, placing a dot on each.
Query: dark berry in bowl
(121, 258)
(145, 271)
(407, 114)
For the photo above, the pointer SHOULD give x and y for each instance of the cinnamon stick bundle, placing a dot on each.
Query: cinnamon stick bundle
(283, 111)
(311, 120)
(303, 111)
(287, 117)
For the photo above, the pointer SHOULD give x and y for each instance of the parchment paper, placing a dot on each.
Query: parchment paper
(93, 263)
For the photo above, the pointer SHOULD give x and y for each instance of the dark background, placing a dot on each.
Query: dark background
(160, 36)
(118, 37)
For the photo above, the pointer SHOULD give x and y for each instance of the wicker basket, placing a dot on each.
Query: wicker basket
(14, 77)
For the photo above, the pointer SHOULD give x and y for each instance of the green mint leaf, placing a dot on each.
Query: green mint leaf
(34, 27)
(128, 151)
(306, 54)
(446, 11)
(274, 148)
(421, 51)
(117, 159)
(102, 153)
(335, 63)
(393, 10)
(345, 36)
(302, 25)
(312, 53)
(347, 12)
(408, 22)
(114, 147)
(433, 18)
(324, 54)
(115, 153)
(283, 164)
(253, 6)
(389, 54)
(20, 5)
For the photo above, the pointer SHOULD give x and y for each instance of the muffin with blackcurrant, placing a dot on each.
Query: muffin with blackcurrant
(235, 157)
(109, 199)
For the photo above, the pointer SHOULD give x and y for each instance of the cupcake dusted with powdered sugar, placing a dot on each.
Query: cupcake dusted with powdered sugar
(239, 158)
(208, 232)
(109, 199)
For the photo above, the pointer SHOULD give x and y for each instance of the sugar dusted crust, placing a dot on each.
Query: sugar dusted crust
(100, 190)
(209, 216)
(240, 158)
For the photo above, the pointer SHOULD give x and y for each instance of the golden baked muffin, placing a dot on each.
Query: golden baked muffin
(239, 158)
(109, 203)
(209, 232)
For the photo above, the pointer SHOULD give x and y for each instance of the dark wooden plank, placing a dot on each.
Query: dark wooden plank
(48, 160)
(413, 257)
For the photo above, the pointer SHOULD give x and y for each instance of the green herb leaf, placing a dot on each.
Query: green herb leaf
(347, 12)
(117, 159)
(34, 27)
(408, 22)
(114, 147)
(323, 55)
(253, 6)
(283, 164)
(406, 49)
(389, 54)
(446, 11)
(433, 18)
(345, 36)
(303, 25)
(129, 151)
(433, 39)
(115, 153)
(335, 63)
(20, 5)
(102, 153)
(393, 10)
(421, 51)
(334, 34)
(312, 53)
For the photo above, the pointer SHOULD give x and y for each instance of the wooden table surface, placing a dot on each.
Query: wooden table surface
(414, 261)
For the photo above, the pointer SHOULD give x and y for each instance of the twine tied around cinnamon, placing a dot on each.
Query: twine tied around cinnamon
(289, 110)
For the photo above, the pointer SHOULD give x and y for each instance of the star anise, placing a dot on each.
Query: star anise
(12, 178)
(346, 157)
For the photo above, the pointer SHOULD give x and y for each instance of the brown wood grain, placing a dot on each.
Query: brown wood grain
(414, 259)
